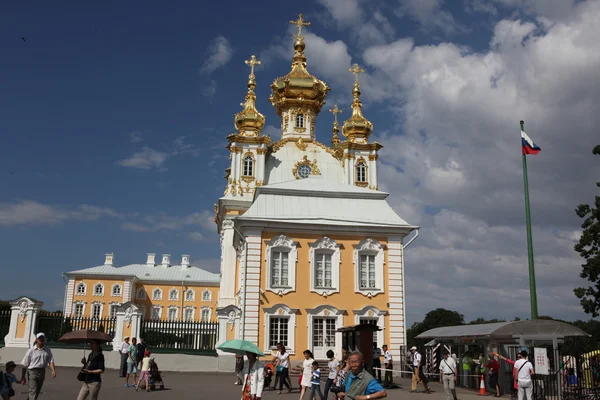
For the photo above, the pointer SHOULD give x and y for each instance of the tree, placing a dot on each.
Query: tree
(481, 320)
(434, 319)
(588, 248)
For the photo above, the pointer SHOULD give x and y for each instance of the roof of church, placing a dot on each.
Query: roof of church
(144, 272)
(314, 200)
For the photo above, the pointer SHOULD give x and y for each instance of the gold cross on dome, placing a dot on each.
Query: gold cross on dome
(299, 23)
(252, 62)
(335, 111)
(356, 70)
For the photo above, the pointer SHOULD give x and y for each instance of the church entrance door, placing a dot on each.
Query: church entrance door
(323, 337)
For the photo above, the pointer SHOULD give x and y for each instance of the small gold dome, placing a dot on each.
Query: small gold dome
(357, 128)
(298, 87)
(249, 119)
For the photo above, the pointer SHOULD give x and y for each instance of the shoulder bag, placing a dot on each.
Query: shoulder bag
(82, 376)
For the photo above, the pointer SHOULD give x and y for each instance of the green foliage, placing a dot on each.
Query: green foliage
(481, 320)
(588, 248)
(434, 319)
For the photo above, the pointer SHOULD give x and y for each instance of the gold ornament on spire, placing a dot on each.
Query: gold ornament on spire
(298, 88)
(357, 128)
(249, 121)
(335, 140)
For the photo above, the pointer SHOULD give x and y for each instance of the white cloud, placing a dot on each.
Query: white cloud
(218, 54)
(552, 9)
(146, 158)
(28, 212)
(272, 131)
(196, 237)
(136, 137)
(430, 15)
(162, 222)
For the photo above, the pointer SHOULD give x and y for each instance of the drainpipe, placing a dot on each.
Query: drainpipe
(245, 275)
(403, 286)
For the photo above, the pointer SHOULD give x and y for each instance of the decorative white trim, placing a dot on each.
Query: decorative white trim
(176, 308)
(157, 294)
(371, 247)
(78, 303)
(176, 297)
(204, 293)
(141, 294)
(282, 243)
(94, 304)
(112, 290)
(280, 310)
(193, 295)
(327, 246)
(202, 310)
(156, 307)
(185, 309)
(374, 313)
(325, 311)
(77, 289)
(99, 284)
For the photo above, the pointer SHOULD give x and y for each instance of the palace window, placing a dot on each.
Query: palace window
(323, 271)
(141, 294)
(325, 266)
(81, 289)
(190, 295)
(189, 314)
(156, 312)
(299, 120)
(174, 294)
(116, 290)
(205, 315)
(157, 294)
(78, 312)
(248, 166)
(96, 311)
(278, 331)
(99, 289)
(172, 313)
(281, 261)
(206, 295)
(368, 261)
(113, 310)
(361, 172)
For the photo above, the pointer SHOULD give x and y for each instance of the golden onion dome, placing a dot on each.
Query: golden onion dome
(298, 87)
(357, 128)
(249, 120)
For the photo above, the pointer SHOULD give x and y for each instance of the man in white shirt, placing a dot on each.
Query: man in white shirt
(448, 375)
(387, 361)
(522, 372)
(418, 375)
(124, 351)
(376, 361)
(35, 362)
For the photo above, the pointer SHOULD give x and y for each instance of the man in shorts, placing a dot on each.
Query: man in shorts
(131, 362)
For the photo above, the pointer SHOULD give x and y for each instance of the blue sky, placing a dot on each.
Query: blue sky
(113, 119)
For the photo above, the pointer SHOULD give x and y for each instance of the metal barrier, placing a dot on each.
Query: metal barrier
(180, 336)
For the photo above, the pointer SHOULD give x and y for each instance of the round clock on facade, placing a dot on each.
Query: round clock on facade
(304, 171)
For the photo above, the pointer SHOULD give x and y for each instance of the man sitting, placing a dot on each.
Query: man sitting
(360, 385)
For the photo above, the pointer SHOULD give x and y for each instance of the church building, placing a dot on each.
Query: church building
(309, 244)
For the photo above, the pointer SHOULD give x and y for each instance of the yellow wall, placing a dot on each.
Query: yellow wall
(303, 298)
(21, 324)
(89, 297)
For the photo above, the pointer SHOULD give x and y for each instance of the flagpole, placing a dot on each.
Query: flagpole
(532, 289)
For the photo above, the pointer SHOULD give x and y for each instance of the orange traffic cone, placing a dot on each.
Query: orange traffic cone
(482, 391)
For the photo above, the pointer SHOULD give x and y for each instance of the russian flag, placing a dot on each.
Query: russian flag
(527, 145)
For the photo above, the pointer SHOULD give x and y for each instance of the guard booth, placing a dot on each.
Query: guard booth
(360, 338)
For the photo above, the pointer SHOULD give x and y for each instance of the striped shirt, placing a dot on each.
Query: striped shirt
(316, 377)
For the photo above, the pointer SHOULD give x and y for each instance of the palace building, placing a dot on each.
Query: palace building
(308, 242)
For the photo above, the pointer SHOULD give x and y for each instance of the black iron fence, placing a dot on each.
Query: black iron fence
(4, 324)
(180, 336)
(54, 325)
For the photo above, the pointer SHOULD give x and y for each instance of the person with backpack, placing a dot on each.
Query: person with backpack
(522, 372)
(7, 378)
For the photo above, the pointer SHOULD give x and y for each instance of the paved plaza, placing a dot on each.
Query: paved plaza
(195, 386)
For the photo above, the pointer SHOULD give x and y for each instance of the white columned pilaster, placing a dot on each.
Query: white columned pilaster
(69, 293)
(260, 172)
(396, 297)
(23, 317)
(252, 285)
(127, 291)
(372, 172)
(228, 262)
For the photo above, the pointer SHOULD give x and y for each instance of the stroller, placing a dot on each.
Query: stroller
(268, 374)
(155, 377)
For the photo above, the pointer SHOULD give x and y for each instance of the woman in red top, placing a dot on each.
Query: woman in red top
(494, 367)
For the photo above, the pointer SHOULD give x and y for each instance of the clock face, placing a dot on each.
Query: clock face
(304, 171)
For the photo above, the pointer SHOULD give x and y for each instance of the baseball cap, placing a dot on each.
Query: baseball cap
(413, 348)
(39, 335)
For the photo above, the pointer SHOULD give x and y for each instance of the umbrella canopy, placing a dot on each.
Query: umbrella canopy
(84, 336)
(239, 346)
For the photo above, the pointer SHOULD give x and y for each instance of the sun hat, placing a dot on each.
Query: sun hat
(39, 335)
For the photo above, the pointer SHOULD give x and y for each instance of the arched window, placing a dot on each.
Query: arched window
(189, 295)
(299, 120)
(157, 294)
(99, 289)
(361, 172)
(81, 289)
(174, 294)
(248, 165)
(206, 295)
(141, 294)
(116, 290)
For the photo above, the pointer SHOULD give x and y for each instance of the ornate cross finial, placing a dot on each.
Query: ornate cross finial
(335, 111)
(252, 62)
(299, 23)
(356, 70)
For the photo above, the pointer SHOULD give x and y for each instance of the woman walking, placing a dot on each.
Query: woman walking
(307, 372)
(334, 367)
(91, 372)
(254, 378)
(282, 365)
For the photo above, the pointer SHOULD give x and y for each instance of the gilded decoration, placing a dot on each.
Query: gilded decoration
(300, 144)
(274, 148)
(373, 157)
(335, 140)
(357, 128)
(314, 168)
(261, 150)
(248, 179)
(249, 120)
(260, 183)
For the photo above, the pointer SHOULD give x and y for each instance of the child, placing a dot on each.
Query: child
(8, 378)
(145, 374)
(316, 382)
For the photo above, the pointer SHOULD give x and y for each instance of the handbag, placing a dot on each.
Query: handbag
(279, 369)
(82, 376)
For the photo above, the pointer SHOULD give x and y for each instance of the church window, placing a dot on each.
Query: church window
(206, 295)
(361, 172)
(205, 315)
(174, 294)
(78, 313)
(116, 290)
(81, 289)
(279, 268)
(248, 165)
(278, 331)
(304, 171)
(368, 260)
(99, 290)
(189, 295)
(172, 313)
(157, 294)
(156, 311)
(299, 120)
(323, 270)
